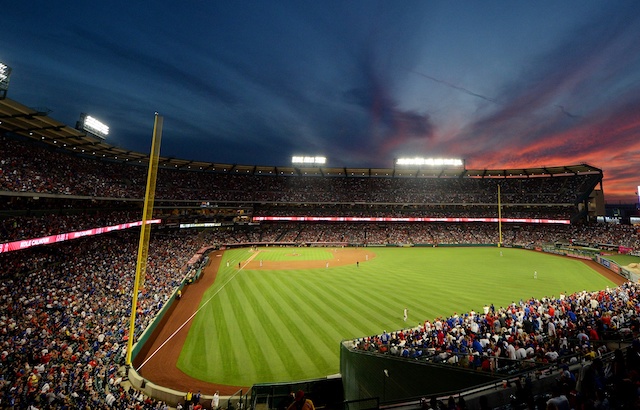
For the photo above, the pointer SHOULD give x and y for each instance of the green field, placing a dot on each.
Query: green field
(623, 260)
(258, 326)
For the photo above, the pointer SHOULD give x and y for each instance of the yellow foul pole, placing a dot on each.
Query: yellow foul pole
(145, 229)
(499, 219)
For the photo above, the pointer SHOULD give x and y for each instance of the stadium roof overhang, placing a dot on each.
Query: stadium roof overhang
(36, 124)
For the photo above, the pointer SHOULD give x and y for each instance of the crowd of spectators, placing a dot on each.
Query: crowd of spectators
(65, 318)
(97, 190)
(414, 211)
(561, 330)
(28, 227)
(64, 327)
(368, 233)
(15, 228)
(30, 167)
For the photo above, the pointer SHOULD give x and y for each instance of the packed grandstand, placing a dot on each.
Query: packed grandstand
(65, 309)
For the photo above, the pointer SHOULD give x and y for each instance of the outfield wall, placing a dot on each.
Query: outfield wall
(390, 378)
(615, 268)
(169, 396)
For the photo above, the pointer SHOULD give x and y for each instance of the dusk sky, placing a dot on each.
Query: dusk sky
(497, 83)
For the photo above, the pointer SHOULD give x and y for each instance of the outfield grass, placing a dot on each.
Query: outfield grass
(258, 326)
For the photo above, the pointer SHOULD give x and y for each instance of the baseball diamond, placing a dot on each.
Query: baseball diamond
(267, 334)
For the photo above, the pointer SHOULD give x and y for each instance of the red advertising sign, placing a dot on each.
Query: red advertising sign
(417, 219)
(28, 243)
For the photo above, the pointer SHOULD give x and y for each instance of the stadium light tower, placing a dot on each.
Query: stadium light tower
(92, 126)
(308, 160)
(430, 162)
(5, 73)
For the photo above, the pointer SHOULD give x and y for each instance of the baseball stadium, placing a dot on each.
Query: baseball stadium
(402, 287)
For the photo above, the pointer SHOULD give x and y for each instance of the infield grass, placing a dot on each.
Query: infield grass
(259, 326)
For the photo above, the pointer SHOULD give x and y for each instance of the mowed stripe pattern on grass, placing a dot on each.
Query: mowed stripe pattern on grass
(283, 325)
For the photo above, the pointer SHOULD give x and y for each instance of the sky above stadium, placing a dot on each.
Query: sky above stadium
(499, 84)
